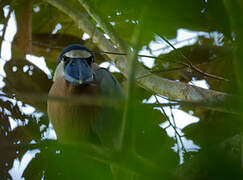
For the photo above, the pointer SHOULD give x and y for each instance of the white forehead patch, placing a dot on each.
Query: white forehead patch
(77, 54)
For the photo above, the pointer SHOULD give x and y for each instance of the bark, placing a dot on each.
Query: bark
(24, 27)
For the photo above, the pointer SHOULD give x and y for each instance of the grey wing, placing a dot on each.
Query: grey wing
(108, 125)
(109, 85)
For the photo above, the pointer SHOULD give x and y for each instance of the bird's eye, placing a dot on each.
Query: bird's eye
(65, 59)
(89, 60)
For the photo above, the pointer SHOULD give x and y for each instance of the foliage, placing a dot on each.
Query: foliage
(148, 150)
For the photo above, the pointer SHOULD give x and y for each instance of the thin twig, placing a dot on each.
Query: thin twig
(174, 127)
(103, 52)
(177, 133)
(177, 42)
(46, 45)
(160, 71)
(192, 66)
(81, 100)
(106, 27)
(174, 69)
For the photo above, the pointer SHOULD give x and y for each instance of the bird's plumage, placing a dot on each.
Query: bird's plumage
(77, 121)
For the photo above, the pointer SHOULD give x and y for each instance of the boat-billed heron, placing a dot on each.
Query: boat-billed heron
(77, 75)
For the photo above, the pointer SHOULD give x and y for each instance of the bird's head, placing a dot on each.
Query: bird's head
(74, 64)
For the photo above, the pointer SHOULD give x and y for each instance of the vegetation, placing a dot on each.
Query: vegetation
(128, 35)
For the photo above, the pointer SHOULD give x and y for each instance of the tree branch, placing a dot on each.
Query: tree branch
(24, 25)
(172, 89)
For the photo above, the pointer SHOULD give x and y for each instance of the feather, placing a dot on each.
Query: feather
(108, 125)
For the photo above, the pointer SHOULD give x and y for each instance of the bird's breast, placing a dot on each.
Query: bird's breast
(73, 114)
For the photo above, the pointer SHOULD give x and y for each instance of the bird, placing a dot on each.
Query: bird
(77, 76)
